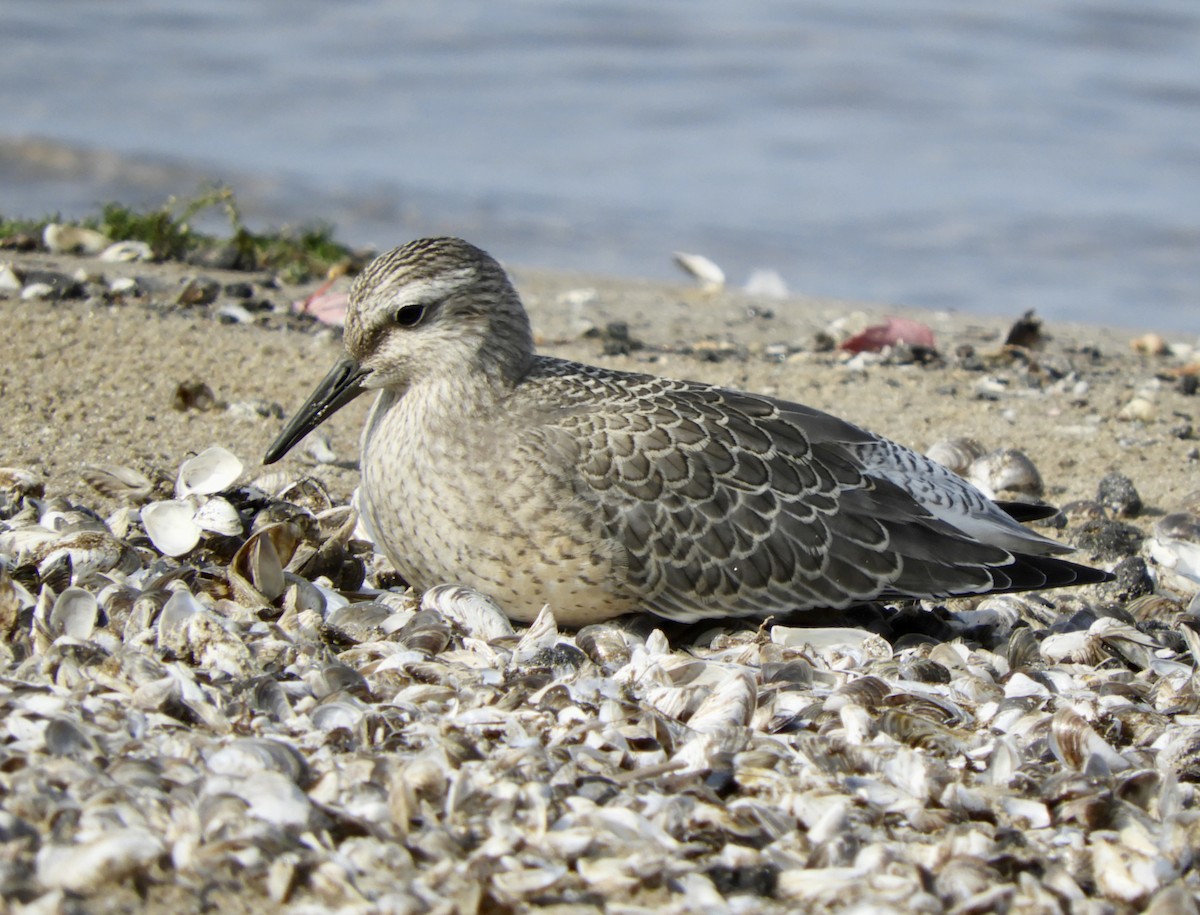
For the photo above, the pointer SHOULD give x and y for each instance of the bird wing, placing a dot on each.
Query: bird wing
(726, 503)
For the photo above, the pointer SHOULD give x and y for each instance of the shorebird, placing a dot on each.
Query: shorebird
(536, 480)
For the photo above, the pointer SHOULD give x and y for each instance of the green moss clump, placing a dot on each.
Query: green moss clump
(297, 255)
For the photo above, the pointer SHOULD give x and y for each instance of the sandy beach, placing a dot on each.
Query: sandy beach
(95, 381)
(139, 379)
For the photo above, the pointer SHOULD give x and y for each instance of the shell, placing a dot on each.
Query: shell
(171, 526)
(61, 239)
(1175, 545)
(74, 614)
(708, 274)
(213, 470)
(218, 516)
(118, 482)
(126, 252)
(957, 454)
(1005, 471)
(256, 572)
(476, 614)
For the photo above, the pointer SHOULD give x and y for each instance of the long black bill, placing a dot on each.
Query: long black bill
(338, 388)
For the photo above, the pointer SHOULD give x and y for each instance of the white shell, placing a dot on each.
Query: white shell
(212, 470)
(117, 481)
(1005, 470)
(171, 527)
(219, 516)
(476, 613)
(174, 618)
(955, 453)
(84, 866)
(74, 614)
(766, 284)
(318, 447)
(74, 239)
(127, 251)
(710, 276)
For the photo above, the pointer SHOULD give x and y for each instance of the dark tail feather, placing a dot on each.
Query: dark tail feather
(1028, 573)
(1027, 511)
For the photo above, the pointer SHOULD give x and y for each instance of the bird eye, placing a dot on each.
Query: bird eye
(410, 315)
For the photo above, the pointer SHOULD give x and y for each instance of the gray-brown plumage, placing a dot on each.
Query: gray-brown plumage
(537, 480)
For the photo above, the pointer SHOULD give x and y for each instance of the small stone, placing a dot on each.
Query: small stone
(256, 409)
(1137, 410)
(198, 291)
(776, 352)
(38, 291)
(1118, 494)
(823, 342)
(1109, 539)
(1131, 579)
(123, 285)
(1026, 331)
(1149, 345)
(193, 395)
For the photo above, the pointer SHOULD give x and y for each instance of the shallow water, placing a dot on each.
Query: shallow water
(970, 157)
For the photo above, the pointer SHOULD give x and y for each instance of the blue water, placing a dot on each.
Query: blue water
(981, 157)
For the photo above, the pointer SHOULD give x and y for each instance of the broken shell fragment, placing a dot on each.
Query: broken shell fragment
(218, 516)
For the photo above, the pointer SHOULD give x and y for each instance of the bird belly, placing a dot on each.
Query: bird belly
(450, 513)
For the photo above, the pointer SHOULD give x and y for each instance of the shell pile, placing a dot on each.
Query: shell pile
(210, 693)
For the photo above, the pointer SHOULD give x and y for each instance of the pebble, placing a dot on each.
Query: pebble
(1108, 539)
(1118, 494)
(38, 291)
(1149, 345)
(198, 291)
(1139, 409)
(123, 285)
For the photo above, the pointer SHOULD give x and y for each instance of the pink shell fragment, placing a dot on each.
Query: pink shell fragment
(896, 330)
(326, 307)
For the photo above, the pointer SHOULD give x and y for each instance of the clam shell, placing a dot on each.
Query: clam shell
(118, 482)
(86, 865)
(74, 614)
(706, 272)
(171, 527)
(1006, 471)
(955, 453)
(66, 239)
(358, 622)
(256, 572)
(426, 631)
(212, 470)
(477, 614)
(219, 516)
